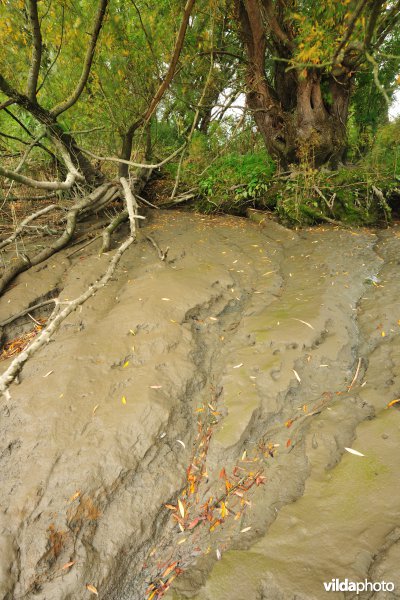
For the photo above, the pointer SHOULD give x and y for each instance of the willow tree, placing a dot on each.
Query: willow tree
(302, 59)
(67, 65)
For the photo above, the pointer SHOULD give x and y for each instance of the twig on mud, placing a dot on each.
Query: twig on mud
(84, 245)
(356, 374)
(162, 255)
(26, 311)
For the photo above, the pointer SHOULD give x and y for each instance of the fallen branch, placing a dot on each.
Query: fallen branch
(28, 220)
(44, 336)
(27, 311)
(25, 262)
(162, 255)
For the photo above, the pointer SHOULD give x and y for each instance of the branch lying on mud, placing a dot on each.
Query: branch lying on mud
(44, 336)
(162, 255)
(27, 311)
(25, 262)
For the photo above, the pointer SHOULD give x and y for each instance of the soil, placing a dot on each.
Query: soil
(270, 327)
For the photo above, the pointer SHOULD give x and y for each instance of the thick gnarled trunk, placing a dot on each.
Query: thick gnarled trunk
(297, 122)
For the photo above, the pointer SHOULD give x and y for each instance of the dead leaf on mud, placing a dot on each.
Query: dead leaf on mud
(156, 387)
(75, 496)
(92, 589)
(170, 506)
(296, 375)
(68, 565)
(304, 322)
(238, 366)
(181, 509)
(355, 452)
(393, 402)
(245, 529)
(181, 443)
(169, 569)
(218, 553)
(94, 409)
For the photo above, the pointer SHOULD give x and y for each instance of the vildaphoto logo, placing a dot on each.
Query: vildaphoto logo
(337, 585)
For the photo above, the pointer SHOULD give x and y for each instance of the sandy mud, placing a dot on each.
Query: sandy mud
(239, 354)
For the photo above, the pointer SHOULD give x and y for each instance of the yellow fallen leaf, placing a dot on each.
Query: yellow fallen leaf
(75, 496)
(181, 509)
(383, 334)
(94, 409)
(125, 364)
(92, 589)
(393, 402)
(123, 400)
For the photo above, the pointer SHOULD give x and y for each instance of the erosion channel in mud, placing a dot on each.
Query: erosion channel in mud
(226, 383)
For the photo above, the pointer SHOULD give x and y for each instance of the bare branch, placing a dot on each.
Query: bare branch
(36, 50)
(43, 185)
(28, 220)
(134, 164)
(45, 335)
(131, 205)
(87, 65)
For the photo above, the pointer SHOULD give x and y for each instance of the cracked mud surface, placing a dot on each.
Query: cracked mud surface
(85, 475)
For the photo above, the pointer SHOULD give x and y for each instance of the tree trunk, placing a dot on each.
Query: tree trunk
(297, 123)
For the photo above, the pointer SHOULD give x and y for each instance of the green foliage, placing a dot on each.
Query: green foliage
(235, 181)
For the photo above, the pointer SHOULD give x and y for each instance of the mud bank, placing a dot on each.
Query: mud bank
(267, 325)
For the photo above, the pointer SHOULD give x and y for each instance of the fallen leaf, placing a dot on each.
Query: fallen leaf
(194, 523)
(304, 322)
(222, 474)
(355, 452)
(182, 541)
(181, 509)
(166, 299)
(92, 589)
(288, 443)
(181, 443)
(125, 364)
(238, 366)
(169, 569)
(296, 375)
(393, 402)
(68, 565)
(223, 510)
(156, 387)
(170, 506)
(47, 374)
(94, 409)
(245, 529)
(123, 400)
(75, 496)
(218, 553)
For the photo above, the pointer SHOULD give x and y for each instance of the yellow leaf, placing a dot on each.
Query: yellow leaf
(123, 400)
(92, 589)
(125, 364)
(223, 510)
(181, 509)
(393, 402)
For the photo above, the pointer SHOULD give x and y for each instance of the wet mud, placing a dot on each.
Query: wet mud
(270, 327)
